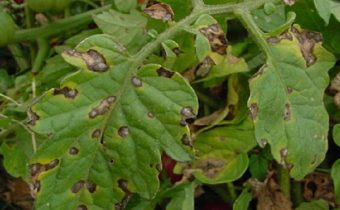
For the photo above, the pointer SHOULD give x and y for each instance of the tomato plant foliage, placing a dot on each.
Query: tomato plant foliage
(227, 92)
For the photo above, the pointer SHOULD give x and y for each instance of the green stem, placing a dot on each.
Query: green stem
(231, 190)
(297, 193)
(284, 180)
(248, 21)
(57, 27)
(44, 48)
(19, 56)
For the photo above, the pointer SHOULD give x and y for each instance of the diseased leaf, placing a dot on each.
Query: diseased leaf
(107, 126)
(286, 100)
(202, 47)
(335, 173)
(222, 153)
(129, 30)
(314, 205)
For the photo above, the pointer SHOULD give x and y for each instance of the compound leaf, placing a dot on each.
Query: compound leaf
(107, 125)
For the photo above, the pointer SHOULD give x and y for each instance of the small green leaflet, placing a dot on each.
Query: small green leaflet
(336, 134)
(314, 205)
(335, 171)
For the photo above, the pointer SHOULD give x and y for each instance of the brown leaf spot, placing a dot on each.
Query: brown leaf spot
(319, 186)
(211, 167)
(91, 187)
(307, 40)
(36, 186)
(204, 68)
(52, 164)
(216, 37)
(186, 140)
(253, 110)
(78, 186)
(287, 112)
(122, 184)
(137, 82)
(285, 35)
(260, 71)
(122, 205)
(81, 207)
(182, 122)
(73, 151)
(36, 169)
(103, 107)
(94, 61)
(289, 90)
(162, 72)
(123, 131)
(188, 115)
(66, 91)
(269, 195)
(151, 115)
(33, 117)
(96, 133)
(263, 142)
(160, 11)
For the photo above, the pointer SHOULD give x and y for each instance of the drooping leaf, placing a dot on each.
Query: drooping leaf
(314, 205)
(335, 173)
(243, 201)
(222, 153)
(107, 126)
(286, 100)
(129, 30)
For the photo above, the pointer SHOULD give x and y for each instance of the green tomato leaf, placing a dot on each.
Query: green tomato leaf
(335, 173)
(202, 46)
(314, 205)
(129, 30)
(182, 197)
(222, 153)
(243, 201)
(107, 125)
(336, 134)
(125, 5)
(286, 100)
(326, 8)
